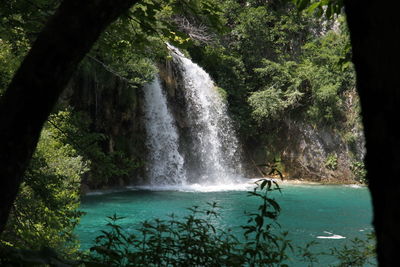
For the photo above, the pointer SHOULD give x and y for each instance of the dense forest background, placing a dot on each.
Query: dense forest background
(285, 75)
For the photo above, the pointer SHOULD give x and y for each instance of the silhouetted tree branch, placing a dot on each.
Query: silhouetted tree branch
(39, 81)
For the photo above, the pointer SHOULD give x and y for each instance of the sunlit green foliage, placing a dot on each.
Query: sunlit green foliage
(264, 42)
(132, 44)
(45, 212)
(20, 22)
(281, 90)
(277, 63)
(316, 82)
(331, 162)
(328, 8)
(263, 32)
(359, 171)
(329, 75)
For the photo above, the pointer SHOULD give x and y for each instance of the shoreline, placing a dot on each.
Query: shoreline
(192, 187)
(310, 182)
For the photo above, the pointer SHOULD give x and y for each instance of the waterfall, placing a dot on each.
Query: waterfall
(165, 163)
(214, 143)
(209, 153)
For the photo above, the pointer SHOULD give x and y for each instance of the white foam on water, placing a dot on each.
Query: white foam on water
(355, 186)
(105, 191)
(243, 185)
(332, 236)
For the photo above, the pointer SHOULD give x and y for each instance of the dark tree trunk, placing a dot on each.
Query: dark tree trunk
(375, 30)
(39, 81)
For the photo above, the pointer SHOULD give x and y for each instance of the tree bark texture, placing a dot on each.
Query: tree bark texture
(375, 30)
(39, 81)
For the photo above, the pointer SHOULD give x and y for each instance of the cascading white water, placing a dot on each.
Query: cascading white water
(165, 163)
(214, 143)
(211, 150)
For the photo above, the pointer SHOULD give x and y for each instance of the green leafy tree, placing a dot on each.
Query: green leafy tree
(45, 211)
(317, 82)
(256, 60)
(281, 90)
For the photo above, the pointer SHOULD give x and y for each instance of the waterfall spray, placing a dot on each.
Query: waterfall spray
(214, 139)
(165, 163)
(211, 153)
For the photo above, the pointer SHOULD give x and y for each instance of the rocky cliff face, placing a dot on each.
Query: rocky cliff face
(319, 153)
(331, 154)
(113, 105)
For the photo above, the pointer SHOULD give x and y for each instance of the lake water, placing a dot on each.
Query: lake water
(328, 214)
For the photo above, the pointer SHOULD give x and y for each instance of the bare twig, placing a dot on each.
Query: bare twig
(109, 69)
(198, 32)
